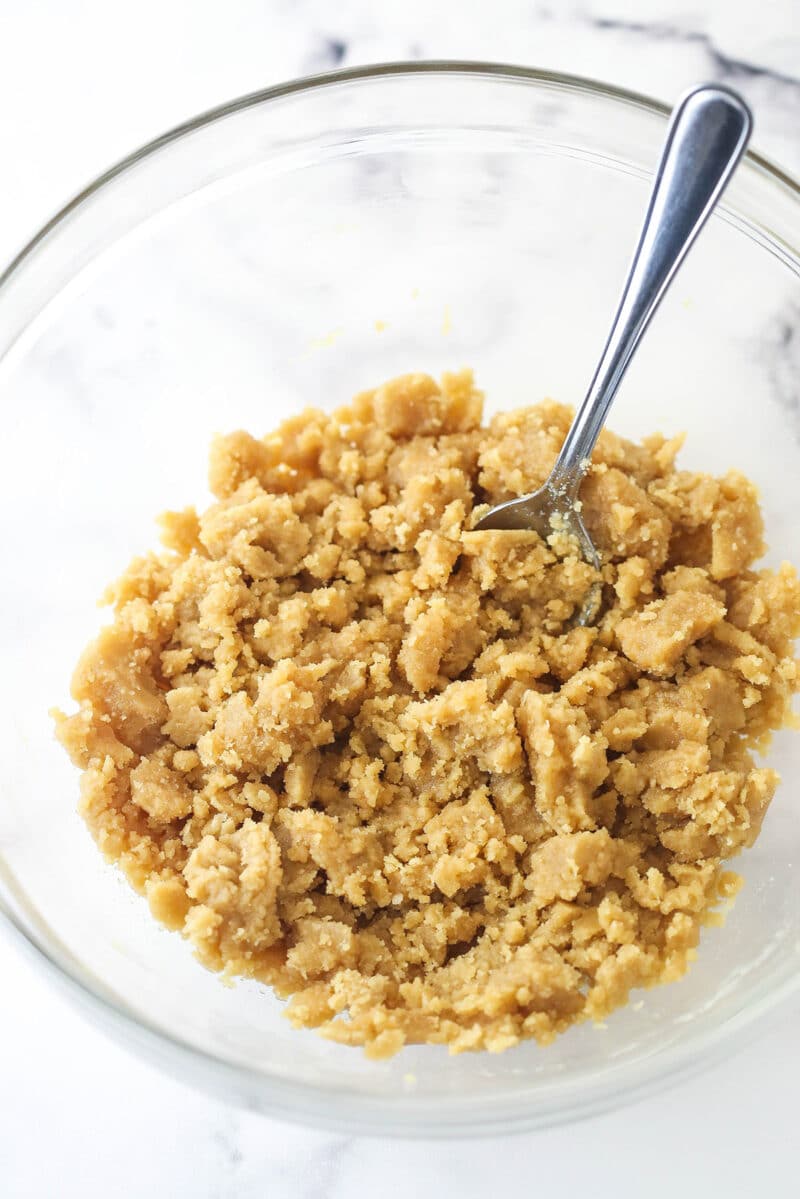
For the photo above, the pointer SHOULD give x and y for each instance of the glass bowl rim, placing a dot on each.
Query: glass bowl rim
(301, 1102)
(310, 83)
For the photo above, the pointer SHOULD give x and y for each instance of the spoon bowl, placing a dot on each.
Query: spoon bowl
(556, 516)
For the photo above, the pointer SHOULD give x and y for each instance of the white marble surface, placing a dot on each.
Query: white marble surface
(81, 85)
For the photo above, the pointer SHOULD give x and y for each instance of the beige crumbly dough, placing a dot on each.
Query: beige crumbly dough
(353, 749)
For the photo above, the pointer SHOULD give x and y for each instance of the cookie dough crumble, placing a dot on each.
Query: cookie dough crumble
(353, 749)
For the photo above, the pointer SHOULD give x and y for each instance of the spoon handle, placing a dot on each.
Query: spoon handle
(707, 136)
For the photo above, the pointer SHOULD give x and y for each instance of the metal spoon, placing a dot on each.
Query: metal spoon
(707, 135)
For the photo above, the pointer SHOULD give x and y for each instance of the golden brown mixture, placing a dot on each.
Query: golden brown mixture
(357, 751)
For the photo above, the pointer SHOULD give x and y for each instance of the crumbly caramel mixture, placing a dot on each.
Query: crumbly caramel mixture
(357, 751)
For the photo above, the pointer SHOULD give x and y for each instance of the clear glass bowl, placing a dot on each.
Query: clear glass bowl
(291, 249)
